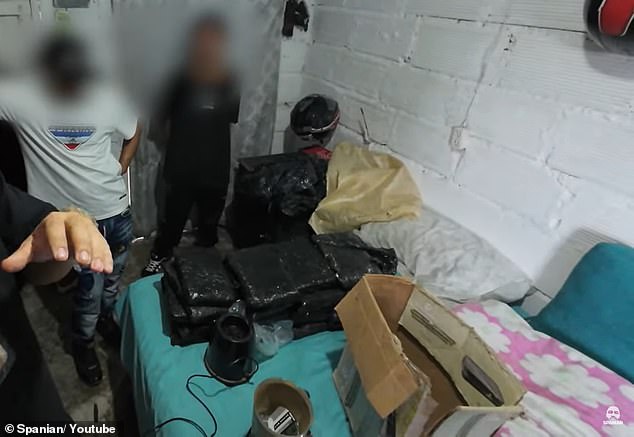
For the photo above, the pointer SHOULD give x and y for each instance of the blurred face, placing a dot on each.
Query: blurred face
(66, 68)
(64, 85)
(208, 50)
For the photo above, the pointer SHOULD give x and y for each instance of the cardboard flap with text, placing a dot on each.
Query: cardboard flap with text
(478, 375)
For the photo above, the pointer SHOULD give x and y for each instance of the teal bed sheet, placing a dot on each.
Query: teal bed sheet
(159, 372)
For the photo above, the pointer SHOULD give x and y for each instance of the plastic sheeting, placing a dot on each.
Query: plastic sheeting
(364, 187)
(274, 197)
(351, 258)
(317, 307)
(190, 315)
(274, 275)
(301, 280)
(203, 279)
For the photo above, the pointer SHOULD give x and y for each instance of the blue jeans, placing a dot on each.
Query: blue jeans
(96, 294)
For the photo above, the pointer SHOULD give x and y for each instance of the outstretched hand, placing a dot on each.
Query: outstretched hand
(59, 237)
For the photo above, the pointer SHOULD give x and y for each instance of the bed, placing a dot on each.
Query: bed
(159, 372)
(569, 394)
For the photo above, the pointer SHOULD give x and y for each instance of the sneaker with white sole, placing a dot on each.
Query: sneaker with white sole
(154, 266)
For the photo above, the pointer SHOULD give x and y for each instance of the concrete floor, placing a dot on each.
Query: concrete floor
(49, 312)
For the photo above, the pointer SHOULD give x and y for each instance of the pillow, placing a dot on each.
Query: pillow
(447, 259)
(594, 311)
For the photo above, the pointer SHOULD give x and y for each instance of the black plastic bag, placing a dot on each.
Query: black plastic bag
(351, 258)
(262, 278)
(333, 324)
(184, 335)
(203, 278)
(277, 274)
(317, 307)
(292, 183)
(274, 197)
(187, 315)
(307, 269)
(205, 315)
(174, 308)
(170, 286)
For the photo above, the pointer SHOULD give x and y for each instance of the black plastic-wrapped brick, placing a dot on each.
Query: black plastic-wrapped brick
(186, 335)
(351, 258)
(317, 307)
(263, 281)
(174, 309)
(307, 269)
(184, 314)
(205, 315)
(274, 196)
(278, 274)
(203, 278)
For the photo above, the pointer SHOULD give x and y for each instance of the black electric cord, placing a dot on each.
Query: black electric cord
(199, 428)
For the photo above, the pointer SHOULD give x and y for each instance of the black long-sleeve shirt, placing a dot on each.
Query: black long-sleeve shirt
(19, 215)
(199, 143)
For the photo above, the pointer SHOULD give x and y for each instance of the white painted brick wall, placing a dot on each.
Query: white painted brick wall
(424, 142)
(595, 147)
(500, 116)
(515, 182)
(383, 35)
(438, 98)
(292, 64)
(454, 48)
(512, 122)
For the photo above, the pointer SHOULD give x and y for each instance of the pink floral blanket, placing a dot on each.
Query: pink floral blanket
(569, 394)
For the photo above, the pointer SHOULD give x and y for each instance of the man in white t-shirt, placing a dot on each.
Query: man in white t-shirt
(66, 123)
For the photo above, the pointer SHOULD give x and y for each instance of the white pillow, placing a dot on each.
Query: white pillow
(449, 260)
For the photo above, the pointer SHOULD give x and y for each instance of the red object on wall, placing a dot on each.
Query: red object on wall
(615, 16)
(610, 24)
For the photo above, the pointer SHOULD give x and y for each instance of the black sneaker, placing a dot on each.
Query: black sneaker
(154, 266)
(87, 363)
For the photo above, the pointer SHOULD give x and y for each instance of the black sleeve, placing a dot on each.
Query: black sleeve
(162, 114)
(19, 214)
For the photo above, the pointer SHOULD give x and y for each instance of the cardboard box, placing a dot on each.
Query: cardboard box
(411, 356)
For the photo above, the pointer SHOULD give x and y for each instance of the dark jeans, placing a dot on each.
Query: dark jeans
(28, 393)
(97, 293)
(179, 198)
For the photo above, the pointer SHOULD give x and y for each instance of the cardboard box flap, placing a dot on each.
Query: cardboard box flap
(478, 375)
(475, 421)
(386, 374)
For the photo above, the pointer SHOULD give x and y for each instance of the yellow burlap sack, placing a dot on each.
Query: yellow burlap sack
(364, 187)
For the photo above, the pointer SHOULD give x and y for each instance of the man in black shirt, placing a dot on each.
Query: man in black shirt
(198, 112)
(46, 243)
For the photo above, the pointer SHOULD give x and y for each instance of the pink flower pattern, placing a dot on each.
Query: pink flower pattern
(596, 384)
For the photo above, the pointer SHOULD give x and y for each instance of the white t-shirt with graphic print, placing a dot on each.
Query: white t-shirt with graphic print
(67, 147)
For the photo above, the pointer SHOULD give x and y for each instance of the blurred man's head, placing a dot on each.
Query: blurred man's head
(65, 64)
(207, 51)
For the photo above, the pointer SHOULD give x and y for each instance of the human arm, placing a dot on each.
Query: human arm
(44, 236)
(160, 124)
(129, 150)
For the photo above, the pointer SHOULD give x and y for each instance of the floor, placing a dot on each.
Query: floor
(49, 312)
